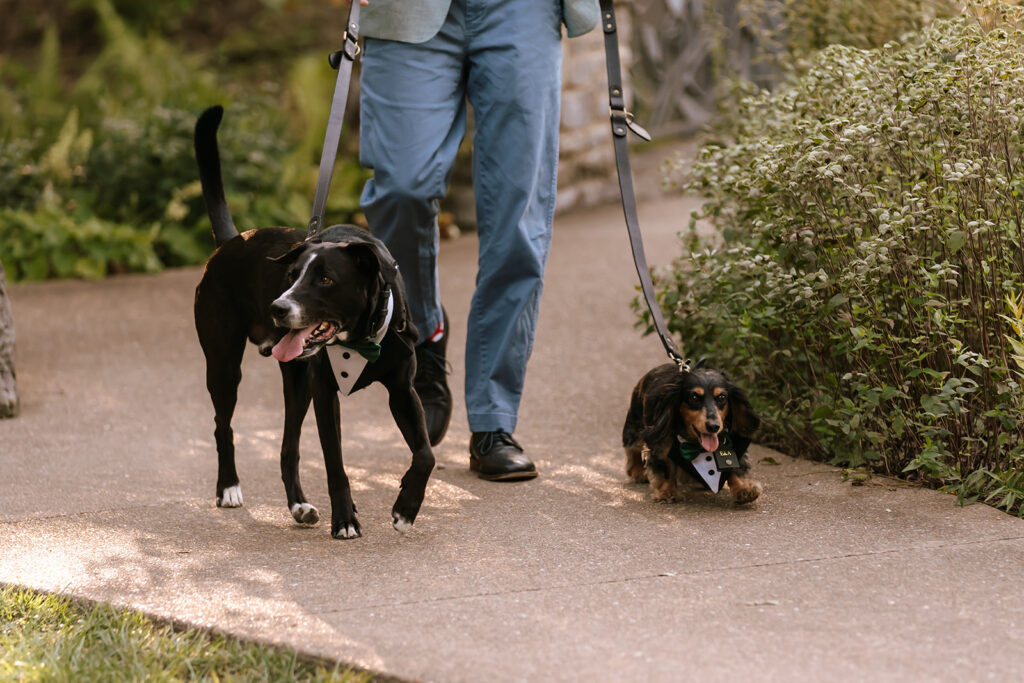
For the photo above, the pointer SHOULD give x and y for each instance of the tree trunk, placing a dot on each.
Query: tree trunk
(8, 391)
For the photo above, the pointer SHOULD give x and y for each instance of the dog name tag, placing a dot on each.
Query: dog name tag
(707, 469)
(726, 460)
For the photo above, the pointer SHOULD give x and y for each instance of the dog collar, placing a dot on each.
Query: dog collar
(707, 466)
(348, 359)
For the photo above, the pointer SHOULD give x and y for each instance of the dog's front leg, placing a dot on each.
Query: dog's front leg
(743, 490)
(661, 474)
(327, 409)
(295, 378)
(408, 413)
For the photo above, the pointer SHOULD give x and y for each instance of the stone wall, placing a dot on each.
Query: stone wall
(8, 391)
(586, 171)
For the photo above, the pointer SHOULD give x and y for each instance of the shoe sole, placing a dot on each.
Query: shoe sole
(508, 476)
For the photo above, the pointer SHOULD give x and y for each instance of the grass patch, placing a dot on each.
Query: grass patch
(51, 637)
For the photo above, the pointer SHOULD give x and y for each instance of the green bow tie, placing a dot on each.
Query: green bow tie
(367, 349)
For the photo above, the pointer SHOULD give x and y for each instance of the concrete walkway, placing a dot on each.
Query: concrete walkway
(107, 492)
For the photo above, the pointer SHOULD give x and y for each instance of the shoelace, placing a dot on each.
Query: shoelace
(490, 439)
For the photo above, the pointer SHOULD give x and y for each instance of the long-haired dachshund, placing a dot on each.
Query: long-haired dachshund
(680, 419)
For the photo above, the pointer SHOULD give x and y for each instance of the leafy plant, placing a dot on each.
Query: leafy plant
(870, 223)
(104, 168)
(793, 30)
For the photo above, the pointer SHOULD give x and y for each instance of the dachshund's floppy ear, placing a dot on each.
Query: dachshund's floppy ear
(742, 418)
(661, 411)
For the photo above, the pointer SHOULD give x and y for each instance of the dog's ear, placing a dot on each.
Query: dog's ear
(743, 421)
(369, 252)
(661, 403)
(289, 256)
(374, 258)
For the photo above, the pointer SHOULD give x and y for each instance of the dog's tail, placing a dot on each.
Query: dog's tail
(208, 158)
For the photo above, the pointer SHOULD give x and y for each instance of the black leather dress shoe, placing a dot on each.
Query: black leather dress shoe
(496, 456)
(431, 383)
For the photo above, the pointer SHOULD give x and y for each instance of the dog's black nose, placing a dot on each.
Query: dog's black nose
(279, 309)
(712, 427)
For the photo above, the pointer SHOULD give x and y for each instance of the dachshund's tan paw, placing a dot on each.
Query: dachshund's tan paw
(745, 492)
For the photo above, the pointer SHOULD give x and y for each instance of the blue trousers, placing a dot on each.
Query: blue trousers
(504, 57)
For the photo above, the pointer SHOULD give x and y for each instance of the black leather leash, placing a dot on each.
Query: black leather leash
(622, 121)
(342, 60)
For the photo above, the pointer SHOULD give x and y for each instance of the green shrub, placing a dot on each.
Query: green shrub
(53, 242)
(107, 163)
(793, 29)
(871, 218)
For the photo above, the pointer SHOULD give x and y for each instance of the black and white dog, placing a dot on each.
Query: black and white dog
(292, 297)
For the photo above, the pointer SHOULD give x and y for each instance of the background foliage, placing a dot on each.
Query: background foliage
(693, 58)
(96, 165)
(869, 276)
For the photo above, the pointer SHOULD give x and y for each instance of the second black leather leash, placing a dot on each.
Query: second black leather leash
(342, 60)
(622, 121)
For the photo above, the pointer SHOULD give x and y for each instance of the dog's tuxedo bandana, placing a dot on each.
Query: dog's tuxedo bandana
(708, 467)
(348, 360)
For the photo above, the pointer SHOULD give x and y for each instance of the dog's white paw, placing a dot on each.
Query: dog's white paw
(231, 498)
(304, 513)
(349, 531)
(400, 523)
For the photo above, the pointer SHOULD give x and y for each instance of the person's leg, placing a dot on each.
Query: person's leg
(413, 119)
(514, 85)
(413, 112)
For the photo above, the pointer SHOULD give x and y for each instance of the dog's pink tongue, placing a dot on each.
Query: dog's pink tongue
(709, 442)
(290, 345)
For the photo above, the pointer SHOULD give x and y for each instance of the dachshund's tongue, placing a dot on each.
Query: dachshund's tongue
(290, 345)
(709, 442)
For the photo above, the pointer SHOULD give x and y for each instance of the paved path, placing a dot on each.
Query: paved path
(107, 483)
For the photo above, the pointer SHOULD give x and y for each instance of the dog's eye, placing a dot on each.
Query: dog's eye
(325, 281)
(721, 400)
(694, 400)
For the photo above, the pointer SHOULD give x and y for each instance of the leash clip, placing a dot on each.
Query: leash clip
(682, 363)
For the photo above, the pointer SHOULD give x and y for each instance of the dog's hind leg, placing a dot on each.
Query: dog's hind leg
(409, 416)
(295, 378)
(327, 409)
(223, 345)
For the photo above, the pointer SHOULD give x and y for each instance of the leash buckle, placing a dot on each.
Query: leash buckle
(313, 227)
(351, 51)
(622, 116)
